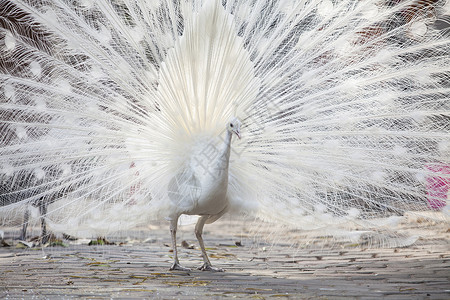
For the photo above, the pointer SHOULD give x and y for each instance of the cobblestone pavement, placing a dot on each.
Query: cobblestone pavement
(138, 268)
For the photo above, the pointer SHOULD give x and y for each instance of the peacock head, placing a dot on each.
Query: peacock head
(234, 126)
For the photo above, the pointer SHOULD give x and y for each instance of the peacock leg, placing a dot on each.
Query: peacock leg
(173, 233)
(198, 233)
(23, 234)
(43, 213)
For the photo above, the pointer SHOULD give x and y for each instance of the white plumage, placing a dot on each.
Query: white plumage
(201, 188)
(120, 112)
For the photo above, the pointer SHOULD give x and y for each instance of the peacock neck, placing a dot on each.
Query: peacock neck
(225, 153)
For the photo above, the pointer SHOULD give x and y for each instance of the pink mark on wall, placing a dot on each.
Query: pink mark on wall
(438, 186)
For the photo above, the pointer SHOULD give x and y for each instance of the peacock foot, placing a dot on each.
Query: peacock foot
(176, 266)
(208, 267)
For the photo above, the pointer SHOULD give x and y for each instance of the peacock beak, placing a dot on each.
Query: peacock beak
(238, 134)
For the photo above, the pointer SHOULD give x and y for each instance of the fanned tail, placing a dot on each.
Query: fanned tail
(352, 121)
(344, 106)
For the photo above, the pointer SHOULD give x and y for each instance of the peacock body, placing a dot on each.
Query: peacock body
(116, 113)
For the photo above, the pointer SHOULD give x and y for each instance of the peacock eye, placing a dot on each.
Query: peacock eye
(231, 124)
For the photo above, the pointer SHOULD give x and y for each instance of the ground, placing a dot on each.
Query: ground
(137, 266)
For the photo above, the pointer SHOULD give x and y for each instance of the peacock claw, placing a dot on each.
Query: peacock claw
(177, 267)
(206, 267)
